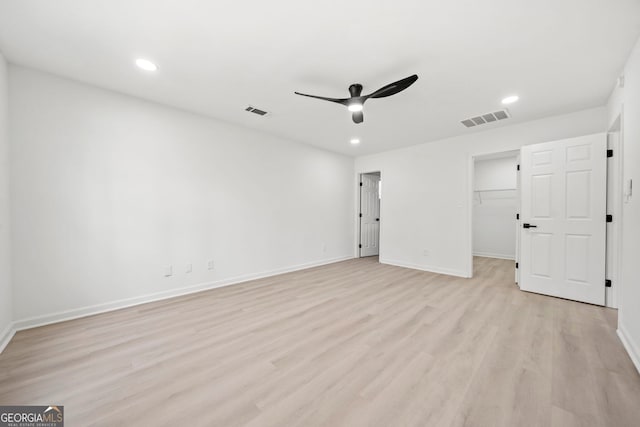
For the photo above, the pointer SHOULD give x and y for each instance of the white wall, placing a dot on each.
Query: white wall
(108, 190)
(627, 100)
(6, 311)
(491, 174)
(427, 197)
(495, 207)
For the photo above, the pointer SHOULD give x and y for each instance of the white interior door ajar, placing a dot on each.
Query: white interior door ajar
(563, 218)
(369, 215)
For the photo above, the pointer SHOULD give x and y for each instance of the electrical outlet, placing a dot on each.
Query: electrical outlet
(189, 268)
(168, 271)
(426, 252)
(210, 265)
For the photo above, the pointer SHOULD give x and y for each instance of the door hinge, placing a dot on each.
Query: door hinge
(609, 218)
(360, 246)
(609, 153)
(360, 215)
(518, 167)
(360, 184)
(607, 283)
(517, 216)
(516, 265)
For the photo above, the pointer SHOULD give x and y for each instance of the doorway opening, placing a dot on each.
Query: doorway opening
(494, 207)
(369, 215)
(567, 221)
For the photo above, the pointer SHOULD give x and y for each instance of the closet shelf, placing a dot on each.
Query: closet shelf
(479, 192)
(496, 189)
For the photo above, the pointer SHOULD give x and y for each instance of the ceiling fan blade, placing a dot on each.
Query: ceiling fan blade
(395, 87)
(358, 117)
(339, 101)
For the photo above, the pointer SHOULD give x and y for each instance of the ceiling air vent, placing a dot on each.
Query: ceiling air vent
(255, 110)
(486, 118)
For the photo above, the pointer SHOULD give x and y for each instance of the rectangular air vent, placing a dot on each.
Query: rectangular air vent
(486, 118)
(255, 110)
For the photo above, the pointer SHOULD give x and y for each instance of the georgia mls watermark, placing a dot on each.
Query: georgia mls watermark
(32, 416)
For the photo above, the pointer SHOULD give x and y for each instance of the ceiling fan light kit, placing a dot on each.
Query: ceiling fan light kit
(355, 103)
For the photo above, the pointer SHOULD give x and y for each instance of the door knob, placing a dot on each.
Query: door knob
(525, 225)
(377, 219)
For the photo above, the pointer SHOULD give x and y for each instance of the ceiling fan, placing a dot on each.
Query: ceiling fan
(356, 102)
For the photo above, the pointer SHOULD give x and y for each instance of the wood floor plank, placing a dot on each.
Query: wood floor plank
(355, 343)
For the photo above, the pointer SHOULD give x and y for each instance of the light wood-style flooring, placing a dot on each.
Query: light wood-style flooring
(354, 343)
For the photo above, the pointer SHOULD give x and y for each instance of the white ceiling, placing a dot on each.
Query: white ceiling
(217, 57)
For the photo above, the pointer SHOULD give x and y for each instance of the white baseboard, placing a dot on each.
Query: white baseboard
(632, 348)
(6, 335)
(76, 313)
(494, 255)
(429, 268)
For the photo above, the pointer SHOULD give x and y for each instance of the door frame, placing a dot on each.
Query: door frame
(613, 294)
(471, 197)
(358, 179)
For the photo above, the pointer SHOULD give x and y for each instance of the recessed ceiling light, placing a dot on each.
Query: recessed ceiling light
(146, 65)
(355, 107)
(510, 99)
(355, 141)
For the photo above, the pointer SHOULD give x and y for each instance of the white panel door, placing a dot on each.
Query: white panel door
(563, 218)
(369, 215)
